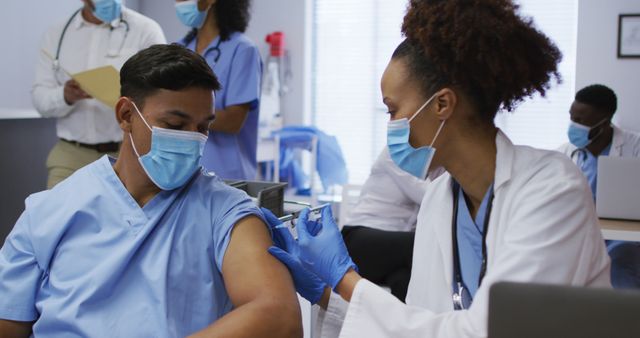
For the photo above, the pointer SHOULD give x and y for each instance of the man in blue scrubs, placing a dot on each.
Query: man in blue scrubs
(217, 33)
(147, 245)
(591, 135)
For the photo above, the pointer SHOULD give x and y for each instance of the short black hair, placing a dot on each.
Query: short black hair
(171, 67)
(600, 97)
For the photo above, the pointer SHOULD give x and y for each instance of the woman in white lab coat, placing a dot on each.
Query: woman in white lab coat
(500, 212)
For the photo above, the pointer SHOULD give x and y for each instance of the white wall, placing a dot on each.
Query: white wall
(597, 60)
(22, 29)
(20, 40)
(289, 16)
(163, 11)
(293, 17)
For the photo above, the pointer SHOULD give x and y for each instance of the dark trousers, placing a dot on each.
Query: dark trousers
(383, 257)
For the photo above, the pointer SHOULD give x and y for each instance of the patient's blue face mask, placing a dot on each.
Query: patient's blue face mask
(107, 10)
(415, 161)
(189, 14)
(579, 134)
(174, 156)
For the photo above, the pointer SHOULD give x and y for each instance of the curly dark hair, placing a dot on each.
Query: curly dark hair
(484, 48)
(599, 96)
(231, 16)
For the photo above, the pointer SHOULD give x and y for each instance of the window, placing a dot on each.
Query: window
(352, 44)
(543, 122)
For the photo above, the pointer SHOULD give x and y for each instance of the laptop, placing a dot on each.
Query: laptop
(618, 188)
(518, 310)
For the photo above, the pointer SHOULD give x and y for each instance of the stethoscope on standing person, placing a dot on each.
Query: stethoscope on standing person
(191, 16)
(215, 50)
(106, 11)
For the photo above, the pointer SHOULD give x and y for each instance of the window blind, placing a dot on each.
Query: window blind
(352, 42)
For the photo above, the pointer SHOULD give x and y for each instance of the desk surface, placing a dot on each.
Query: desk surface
(614, 229)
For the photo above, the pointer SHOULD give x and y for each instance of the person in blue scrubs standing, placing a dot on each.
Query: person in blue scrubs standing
(592, 134)
(147, 245)
(218, 35)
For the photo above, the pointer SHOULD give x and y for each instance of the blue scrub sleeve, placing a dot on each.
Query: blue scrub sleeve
(237, 209)
(244, 78)
(20, 274)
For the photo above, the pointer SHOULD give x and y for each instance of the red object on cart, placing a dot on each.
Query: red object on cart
(276, 42)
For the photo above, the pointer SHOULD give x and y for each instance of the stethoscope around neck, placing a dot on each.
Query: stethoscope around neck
(111, 52)
(215, 50)
(461, 296)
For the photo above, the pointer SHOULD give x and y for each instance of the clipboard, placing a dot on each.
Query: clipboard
(102, 83)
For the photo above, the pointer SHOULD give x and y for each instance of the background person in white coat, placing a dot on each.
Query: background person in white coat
(592, 134)
(518, 213)
(101, 33)
(380, 228)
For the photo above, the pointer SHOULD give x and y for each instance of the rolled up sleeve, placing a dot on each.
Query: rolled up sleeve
(237, 208)
(20, 274)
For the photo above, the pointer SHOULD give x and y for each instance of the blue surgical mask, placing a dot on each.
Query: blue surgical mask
(107, 10)
(174, 156)
(579, 133)
(415, 161)
(189, 14)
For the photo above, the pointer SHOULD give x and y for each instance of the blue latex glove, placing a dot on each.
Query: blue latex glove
(307, 284)
(323, 252)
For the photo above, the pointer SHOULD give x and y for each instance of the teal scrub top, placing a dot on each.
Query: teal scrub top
(85, 260)
(239, 70)
(470, 240)
(588, 164)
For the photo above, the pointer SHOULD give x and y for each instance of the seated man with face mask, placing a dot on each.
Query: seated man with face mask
(147, 245)
(592, 134)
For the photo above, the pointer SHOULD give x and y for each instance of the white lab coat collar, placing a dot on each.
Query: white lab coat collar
(617, 141)
(79, 20)
(505, 153)
(504, 160)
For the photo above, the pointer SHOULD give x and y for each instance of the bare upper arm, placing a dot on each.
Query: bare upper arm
(231, 118)
(15, 329)
(250, 272)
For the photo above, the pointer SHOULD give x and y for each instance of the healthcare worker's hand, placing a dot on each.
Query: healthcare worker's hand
(307, 284)
(323, 250)
(73, 93)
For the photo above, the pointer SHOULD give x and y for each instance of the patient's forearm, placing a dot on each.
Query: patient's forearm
(260, 318)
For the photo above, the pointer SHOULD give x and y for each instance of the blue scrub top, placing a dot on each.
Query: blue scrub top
(470, 240)
(588, 164)
(625, 256)
(239, 70)
(84, 260)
